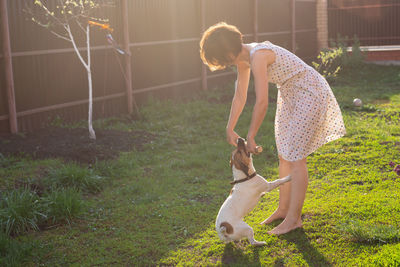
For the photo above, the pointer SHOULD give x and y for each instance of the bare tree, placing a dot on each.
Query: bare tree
(63, 18)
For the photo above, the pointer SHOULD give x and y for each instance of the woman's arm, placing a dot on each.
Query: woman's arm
(261, 60)
(238, 102)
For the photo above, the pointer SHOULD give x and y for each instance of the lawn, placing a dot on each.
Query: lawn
(158, 203)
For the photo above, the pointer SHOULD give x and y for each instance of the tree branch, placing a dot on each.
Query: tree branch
(80, 26)
(75, 47)
(60, 36)
(88, 45)
(48, 12)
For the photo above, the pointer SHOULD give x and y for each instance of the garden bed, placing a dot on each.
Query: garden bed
(73, 144)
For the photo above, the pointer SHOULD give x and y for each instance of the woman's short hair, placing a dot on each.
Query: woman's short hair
(220, 45)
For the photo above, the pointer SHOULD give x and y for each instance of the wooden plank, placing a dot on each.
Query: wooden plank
(9, 76)
(204, 85)
(255, 21)
(293, 29)
(128, 67)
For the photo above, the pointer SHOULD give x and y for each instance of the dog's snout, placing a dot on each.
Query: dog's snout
(241, 143)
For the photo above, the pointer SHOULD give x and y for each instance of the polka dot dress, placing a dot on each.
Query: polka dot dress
(307, 115)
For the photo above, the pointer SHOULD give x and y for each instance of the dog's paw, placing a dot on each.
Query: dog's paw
(258, 243)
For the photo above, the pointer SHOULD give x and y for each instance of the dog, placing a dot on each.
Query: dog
(247, 190)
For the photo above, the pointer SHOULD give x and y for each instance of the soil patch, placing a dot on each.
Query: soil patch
(73, 144)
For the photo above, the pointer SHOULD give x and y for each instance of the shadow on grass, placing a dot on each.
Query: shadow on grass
(234, 256)
(310, 254)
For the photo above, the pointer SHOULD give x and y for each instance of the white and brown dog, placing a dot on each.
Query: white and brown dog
(247, 190)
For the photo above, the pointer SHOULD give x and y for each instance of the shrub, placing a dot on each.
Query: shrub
(356, 57)
(331, 61)
(76, 177)
(63, 205)
(19, 211)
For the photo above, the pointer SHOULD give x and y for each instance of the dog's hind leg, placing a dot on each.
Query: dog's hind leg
(244, 230)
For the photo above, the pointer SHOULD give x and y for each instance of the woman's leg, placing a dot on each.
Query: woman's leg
(299, 185)
(284, 193)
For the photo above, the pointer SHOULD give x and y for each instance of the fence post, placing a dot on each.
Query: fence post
(255, 21)
(293, 9)
(203, 28)
(8, 67)
(322, 24)
(128, 68)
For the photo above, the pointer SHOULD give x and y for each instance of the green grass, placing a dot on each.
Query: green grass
(371, 233)
(161, 203)
(63, 205)
(20, 212)
(17, 252)
(74, 176)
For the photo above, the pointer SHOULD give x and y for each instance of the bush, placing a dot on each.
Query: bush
(76, 177)
(331, 61)
(20, 211)
(63, 205)
(356, 57)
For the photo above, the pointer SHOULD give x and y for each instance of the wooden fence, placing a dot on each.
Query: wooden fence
(48, 80)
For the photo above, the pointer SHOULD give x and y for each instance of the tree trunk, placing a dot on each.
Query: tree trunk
(92, 134)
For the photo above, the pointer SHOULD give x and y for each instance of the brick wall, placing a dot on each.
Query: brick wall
(322, 23)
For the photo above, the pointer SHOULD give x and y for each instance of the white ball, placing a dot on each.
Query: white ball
(357, 102)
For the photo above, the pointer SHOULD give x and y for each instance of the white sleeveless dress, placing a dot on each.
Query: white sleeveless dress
(307, 114)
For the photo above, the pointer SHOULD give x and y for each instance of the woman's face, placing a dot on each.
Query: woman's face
(241, 58)
(234, 60)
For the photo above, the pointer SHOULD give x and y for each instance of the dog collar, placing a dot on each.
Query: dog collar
(244, 179)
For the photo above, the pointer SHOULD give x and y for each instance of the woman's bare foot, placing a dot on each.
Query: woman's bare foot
(285, 227)
(278, 214)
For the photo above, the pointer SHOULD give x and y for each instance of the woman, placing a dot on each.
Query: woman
(307, 114)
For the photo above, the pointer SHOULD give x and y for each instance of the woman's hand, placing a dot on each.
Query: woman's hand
(232, 137)
(251, 146)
